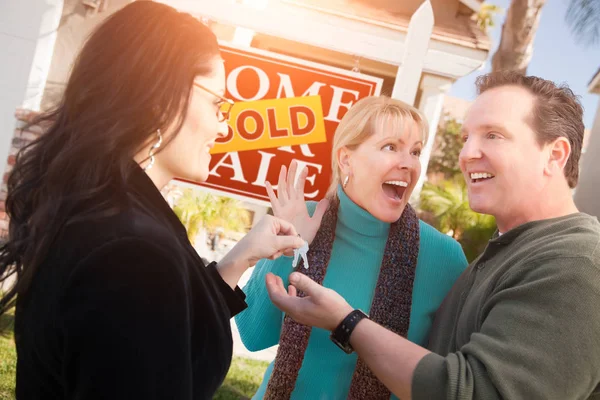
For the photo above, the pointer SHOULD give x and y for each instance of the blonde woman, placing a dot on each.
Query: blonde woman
(366, 243)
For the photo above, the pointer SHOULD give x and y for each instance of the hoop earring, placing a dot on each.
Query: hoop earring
(346, 179)
(153, 149)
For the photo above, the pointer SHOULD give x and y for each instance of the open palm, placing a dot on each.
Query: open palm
(289, 203)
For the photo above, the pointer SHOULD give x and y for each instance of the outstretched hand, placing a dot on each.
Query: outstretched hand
(289, 203)
(322, 307)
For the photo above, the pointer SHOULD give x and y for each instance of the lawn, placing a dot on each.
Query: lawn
(243, 379)
(8, 358)
(241, 383)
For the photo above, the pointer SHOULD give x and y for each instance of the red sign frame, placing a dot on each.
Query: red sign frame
(254, 74)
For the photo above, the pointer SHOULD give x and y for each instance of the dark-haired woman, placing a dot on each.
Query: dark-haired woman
(112, 301)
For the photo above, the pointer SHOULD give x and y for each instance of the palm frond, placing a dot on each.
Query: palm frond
(200, 210)
(583, 17)
(448, 202)
(485, 16)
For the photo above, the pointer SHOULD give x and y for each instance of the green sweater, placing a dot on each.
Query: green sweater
(522, 322)
(356, 257)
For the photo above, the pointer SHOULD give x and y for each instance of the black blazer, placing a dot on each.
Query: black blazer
(124, 308)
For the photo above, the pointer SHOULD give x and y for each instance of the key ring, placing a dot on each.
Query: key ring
(301, 252)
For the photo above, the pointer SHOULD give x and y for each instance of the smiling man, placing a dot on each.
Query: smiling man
(522, 321)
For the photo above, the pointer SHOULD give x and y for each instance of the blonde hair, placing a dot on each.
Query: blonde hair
(367, 117)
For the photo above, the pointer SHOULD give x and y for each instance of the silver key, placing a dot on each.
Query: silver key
(301, 252)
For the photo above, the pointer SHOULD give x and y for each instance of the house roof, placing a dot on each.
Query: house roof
(458, 29)
(594, 85)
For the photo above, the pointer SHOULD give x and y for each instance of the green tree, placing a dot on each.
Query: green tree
(200, 210)
(448, 203)
(448, 144)
(475, 238)
(485, 16)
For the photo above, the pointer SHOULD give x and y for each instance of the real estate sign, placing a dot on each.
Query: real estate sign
(265, 133)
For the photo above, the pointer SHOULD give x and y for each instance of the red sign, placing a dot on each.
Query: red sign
(259, 75)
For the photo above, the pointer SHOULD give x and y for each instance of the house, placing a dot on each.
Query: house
(587, 195)
(368, 36)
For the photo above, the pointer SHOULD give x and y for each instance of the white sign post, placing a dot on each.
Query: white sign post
(409, 73)
(420, 29)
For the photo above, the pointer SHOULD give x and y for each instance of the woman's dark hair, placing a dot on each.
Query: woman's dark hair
(134, 75)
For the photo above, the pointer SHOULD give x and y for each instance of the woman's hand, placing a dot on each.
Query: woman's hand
(289, 203)
(270, 238)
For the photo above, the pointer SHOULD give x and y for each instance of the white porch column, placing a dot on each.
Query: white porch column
(432, 99)
(27, 37)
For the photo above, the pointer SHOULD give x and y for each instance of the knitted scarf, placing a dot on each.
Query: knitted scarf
(390, 307)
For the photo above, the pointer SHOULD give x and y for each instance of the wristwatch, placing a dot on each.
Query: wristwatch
(341, 335)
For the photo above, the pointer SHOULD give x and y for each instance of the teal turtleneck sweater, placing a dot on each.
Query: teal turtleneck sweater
(353, 270)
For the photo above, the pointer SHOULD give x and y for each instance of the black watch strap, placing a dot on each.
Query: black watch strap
(341, 335)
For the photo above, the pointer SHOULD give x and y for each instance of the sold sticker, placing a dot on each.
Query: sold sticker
(273, 123)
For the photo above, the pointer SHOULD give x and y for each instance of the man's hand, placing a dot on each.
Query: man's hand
(322, 307)
(392, 358)
(289, 203)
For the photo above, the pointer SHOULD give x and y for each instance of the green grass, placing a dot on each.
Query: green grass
(241, 382)
(243, 379)
(8, 357)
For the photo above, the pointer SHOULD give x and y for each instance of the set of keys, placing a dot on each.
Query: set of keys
(301, 252)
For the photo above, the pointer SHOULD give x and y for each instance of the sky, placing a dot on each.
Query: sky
(556, 56)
